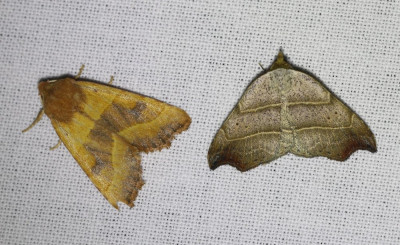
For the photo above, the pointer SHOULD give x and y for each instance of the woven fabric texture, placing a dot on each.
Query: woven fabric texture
(200, 56)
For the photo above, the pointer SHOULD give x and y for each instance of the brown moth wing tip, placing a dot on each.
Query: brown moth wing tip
(130, 203)
(216, 157)
(368, 144)
(179, 130)
(216, 160)
(135, 193)
(371, 146)
(167, 144)
(183, 126)
(213, 162)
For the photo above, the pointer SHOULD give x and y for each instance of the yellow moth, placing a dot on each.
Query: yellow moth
(105, 129)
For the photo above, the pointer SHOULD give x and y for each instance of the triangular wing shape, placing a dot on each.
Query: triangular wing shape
(284, 111)
(106, 128)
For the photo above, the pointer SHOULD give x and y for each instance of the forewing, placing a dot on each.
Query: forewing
(321, 124)
(251, 134)
(146, 123)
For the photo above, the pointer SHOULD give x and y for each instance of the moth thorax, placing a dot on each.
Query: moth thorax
(61, 98)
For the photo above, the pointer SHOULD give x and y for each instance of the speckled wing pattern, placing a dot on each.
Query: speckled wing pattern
(288, 111)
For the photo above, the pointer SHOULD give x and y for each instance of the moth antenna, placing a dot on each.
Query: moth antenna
(38, 118)
(111, 80)
(259, 63)
(80, 72)
(56, 146)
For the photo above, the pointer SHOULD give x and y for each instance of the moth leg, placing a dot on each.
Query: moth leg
(259, 63)
(111, 80)
(38, 118)
(56, 146)
(80, 72)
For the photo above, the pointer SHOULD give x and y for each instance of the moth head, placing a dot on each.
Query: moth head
(60, 98)
(43, 88)
(46, 87)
